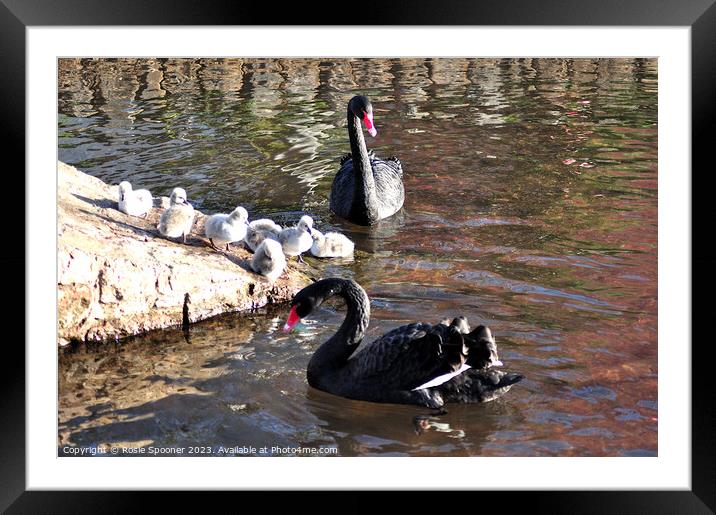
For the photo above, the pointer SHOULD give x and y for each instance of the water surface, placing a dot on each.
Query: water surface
(531, 207)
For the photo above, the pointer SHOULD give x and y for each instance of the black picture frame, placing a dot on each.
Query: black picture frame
(699, 15)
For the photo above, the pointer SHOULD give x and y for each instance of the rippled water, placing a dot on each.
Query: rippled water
(531, 207)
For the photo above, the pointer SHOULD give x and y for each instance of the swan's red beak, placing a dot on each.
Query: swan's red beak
(368, 121)
(293, 319)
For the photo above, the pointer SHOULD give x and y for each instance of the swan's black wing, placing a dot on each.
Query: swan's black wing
(389, 185)
(395, 163)
(482, 350)
(408, 357)
(390, 192)
(341, 199)
(478, 385)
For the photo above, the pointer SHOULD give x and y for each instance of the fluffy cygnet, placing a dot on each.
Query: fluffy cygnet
(268, 259)
(297, 240)
(177, 220)
(331, 244)
(134, 202)
(259, 230)
(223, 229)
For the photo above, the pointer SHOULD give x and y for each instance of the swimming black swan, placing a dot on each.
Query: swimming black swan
(365, 189)
(423, 364)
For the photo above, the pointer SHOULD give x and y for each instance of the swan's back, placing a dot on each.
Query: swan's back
(390, 192)
(403, 360)
(144, 196)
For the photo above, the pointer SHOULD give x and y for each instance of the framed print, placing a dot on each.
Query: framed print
(500, 200)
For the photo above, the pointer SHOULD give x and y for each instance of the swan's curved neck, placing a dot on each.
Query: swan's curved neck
(364, 195)
(334, 353)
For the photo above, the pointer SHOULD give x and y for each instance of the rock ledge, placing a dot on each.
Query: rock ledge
(118, 277)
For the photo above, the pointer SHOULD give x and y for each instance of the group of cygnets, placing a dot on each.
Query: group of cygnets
(269, 242)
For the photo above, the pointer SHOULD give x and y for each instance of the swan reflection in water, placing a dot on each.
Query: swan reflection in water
(360, 428)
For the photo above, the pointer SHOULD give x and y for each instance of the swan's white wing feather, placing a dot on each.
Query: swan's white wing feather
(443, 378)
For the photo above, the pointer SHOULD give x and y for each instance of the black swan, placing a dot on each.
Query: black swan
(365, 189)
(423, 364)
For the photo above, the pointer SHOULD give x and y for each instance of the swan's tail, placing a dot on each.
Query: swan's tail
(493, 384)
(478, 385)
(509, 379)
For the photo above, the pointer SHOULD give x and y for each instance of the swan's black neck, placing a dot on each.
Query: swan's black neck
(334, 353)
(364, 196)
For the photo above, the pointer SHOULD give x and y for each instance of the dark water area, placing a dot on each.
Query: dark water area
(531, 207)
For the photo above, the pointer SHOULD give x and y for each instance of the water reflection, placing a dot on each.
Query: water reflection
(531, 207)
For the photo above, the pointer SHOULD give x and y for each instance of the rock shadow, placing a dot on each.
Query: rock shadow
(101, 203)
(140, 231)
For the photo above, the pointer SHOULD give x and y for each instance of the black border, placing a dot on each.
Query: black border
(700, 15)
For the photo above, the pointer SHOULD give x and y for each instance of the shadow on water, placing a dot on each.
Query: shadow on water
(531, 207)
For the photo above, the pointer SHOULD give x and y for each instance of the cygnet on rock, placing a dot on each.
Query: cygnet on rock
(297, 240)
(177, 220)
(222, 229)
(134, 202)
(259, 230)
(268, 259)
